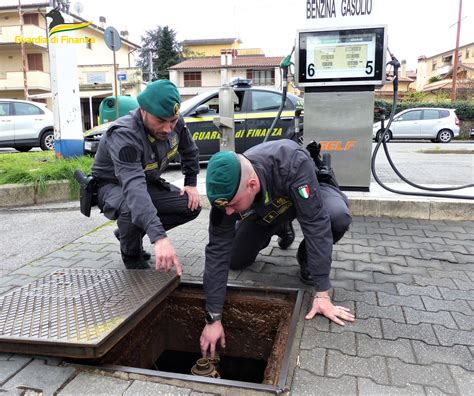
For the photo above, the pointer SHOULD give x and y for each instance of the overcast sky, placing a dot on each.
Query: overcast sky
(415, 27)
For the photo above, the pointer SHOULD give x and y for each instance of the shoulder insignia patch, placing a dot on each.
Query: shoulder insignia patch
(304, 191)
(128, 154)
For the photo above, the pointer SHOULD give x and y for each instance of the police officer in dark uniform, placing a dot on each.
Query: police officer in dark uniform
(252, 196)
(127, 167)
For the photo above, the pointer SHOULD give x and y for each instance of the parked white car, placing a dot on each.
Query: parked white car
(24, 125)
(436, 124)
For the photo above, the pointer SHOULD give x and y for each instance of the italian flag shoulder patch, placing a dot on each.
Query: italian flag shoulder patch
(304, 191)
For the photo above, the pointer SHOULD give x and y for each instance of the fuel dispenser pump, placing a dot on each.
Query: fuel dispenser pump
(339, 70)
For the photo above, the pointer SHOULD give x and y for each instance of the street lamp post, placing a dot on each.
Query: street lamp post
(150, 60)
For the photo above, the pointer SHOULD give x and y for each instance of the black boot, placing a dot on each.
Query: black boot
(302, 257)
(135, 262)
(286, 236)
(145, 254)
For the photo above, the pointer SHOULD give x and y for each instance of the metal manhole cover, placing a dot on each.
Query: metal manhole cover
(79, 312)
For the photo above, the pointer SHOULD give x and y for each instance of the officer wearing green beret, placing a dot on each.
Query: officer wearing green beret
(128, 164)
(252, 196)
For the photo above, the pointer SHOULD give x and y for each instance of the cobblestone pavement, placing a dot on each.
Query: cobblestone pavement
(409, 282)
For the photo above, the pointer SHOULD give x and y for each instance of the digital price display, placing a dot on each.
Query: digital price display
(341, 57)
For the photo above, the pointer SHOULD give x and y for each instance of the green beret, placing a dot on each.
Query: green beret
(222, 177)
(160, 98)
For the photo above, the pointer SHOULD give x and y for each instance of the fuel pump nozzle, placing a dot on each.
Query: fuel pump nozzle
(285, 65)
(396, 65)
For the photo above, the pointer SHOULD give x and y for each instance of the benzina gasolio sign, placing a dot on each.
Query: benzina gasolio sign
(57, 25)
(339, 13)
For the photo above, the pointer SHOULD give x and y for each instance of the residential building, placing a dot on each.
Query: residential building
(435, 72)
(215, 62)
(94, 60)
(209, 47)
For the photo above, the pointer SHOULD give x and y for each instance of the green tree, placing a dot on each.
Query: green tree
(161, 47)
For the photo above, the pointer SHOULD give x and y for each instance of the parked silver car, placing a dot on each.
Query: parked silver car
(436, 124)
(24, 125)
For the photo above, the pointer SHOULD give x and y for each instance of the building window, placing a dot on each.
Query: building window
(467, 53)
(31, 19)
(433, 67)
(192, 79)
(44, 101)
(261, 77)
(35, 62)
(448, 59)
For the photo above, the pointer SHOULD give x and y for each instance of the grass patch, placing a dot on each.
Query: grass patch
(38, 168)
(443, 151)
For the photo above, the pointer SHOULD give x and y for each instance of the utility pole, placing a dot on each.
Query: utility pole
(23, 55)
(150, 57)
(456, 55)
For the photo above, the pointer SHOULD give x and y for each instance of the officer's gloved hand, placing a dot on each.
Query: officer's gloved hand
(314, 149)
(166, 256)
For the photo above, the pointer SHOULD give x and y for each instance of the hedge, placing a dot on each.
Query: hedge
(464, 109)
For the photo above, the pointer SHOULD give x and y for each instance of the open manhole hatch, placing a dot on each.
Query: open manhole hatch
(149, 323)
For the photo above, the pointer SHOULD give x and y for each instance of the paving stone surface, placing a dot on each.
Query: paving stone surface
(144, 388)
(89, 383)
(410, 284)
(41, 376)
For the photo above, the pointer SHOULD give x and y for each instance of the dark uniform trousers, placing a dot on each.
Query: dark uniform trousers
(253, 234)
(172, 209)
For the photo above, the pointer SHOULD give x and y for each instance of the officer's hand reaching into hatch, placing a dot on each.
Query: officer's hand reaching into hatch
(322, 305)
(166, 256)
(211, 334)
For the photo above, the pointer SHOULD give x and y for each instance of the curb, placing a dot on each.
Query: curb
(13, 195)
(412, 209)
(28, 194)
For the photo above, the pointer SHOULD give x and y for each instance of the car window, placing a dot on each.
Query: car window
(267, 101)
(213, 102)
(443, 113)
(26, 109)
(410, 116)
(4, 109)
(430, 114)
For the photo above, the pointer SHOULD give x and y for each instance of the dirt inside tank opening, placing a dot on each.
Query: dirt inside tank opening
(256, 323)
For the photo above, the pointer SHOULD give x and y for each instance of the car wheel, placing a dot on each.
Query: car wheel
(23, 149)
(47, 141)
(388, 136)
(445, 136)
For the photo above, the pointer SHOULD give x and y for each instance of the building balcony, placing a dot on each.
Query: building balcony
(32, 35)
(36, 80)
